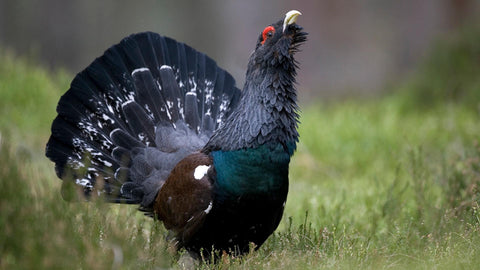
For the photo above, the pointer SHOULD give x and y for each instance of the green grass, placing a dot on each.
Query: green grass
(391, 182)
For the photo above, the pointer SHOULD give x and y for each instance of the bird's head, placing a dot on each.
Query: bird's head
(278, 42)
(267, 110)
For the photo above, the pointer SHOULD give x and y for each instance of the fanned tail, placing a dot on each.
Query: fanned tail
(136, 111)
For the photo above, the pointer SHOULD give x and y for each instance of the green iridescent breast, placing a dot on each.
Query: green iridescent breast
(253, 171)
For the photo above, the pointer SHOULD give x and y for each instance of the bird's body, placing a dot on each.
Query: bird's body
(164, 127)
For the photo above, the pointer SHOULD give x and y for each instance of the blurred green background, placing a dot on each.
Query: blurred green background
(354, 48)
(387, 171)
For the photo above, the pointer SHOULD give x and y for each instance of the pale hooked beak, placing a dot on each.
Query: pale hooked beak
(290, 17)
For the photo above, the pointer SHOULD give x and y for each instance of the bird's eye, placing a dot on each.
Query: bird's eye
(267, 33)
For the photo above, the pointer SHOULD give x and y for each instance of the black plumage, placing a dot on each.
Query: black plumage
(164, 127)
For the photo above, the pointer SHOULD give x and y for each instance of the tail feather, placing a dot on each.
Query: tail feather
(191, 111)
(151, 57)
(199, 85)
(136, 111)
(222, 96)
(171, 93)
(181, 61)
(132, 55)
(122, 138)
(140, 123)
(149, 95)
(122, 156)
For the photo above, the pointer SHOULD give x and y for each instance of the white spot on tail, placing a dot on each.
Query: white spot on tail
(181, 84)
(200, 171)
(209, 208)
(83, 182)
(193, 83)
(143, 69)
(110, 108)
(106, 118)
(169, 104)
(113, 131)
(106, 163)
(126, 103)
(165, 67)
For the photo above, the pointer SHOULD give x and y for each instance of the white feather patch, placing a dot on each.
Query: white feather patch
(143, 69)
(209, 208)
(165, 67)
(126, 103)
(113, 131)
(200, 171)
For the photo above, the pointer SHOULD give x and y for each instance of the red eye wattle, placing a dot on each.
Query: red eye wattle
(267, 32)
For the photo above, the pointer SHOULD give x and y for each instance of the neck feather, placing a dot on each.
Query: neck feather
(266, 113)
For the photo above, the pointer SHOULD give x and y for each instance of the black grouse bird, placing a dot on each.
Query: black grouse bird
(154, 122)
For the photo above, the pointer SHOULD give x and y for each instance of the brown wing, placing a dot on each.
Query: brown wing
(186, 197)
